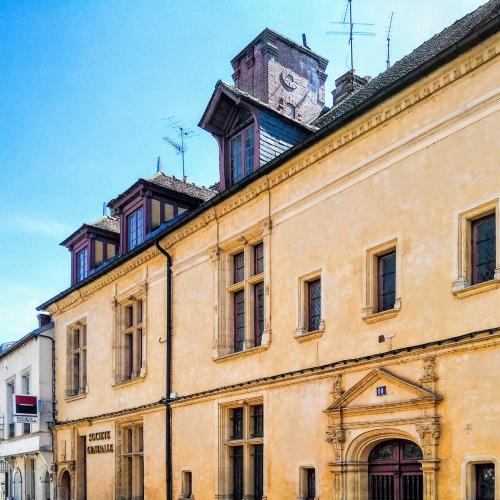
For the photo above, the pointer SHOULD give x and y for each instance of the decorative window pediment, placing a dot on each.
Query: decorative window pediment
(381, 388)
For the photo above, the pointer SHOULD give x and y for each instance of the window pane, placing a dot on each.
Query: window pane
(311, 484)
(239, 320)
(249, 134)
(239, 267)
(237, 465)
(76, 338)
(99, 252)
(483, 249)
(236, 160)
(258, 471)
(139, 311)
(129, 316)
(135, 229)
(257, 421)
(258, 254)
(387, 281)
(129, 357)
(258, 313)
(237, 423)
(139, 351)
(82, 264)
(485, 482)
(314, 291)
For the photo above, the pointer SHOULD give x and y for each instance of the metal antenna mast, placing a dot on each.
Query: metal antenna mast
(351, 33)
(179, 145)
(388, 60)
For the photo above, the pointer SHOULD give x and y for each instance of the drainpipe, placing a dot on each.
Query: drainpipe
(52, 431)
(168, 381)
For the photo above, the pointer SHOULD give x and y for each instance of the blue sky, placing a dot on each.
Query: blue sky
(84, 86)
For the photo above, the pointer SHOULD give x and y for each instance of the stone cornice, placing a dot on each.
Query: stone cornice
(454, 71)
(79, 296)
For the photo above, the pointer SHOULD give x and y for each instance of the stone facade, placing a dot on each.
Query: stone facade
(403, 176)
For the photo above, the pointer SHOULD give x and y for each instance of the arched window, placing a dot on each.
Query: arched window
(17, 485)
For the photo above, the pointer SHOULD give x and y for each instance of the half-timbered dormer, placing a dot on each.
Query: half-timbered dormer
(91, 245)
(149, 203)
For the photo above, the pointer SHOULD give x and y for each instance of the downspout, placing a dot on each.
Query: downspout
(168, 381)
(52, 431)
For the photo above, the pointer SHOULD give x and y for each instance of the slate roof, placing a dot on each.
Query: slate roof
(443, 47)
(252, 100)
(410, 63)
(191, 189)
(106, 223)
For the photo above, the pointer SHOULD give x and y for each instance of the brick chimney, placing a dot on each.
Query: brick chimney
(283, 74)
(346, 84)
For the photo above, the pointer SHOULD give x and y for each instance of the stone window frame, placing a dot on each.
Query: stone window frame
(461, 285)
(302, 484)
(10, 388)
(80, 392)
(222, 258)
(120, 303)
(302, 331)
(247, 441)
(186, 485)
(120, 428)
(469, 474)
(370, 313)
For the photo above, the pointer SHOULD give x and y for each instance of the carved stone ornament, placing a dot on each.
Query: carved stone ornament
(429, 433)
(335, 435)
(337, 389)
(430, 374)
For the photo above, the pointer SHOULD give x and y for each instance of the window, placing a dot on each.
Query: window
(29, 467)
(386, 281)
(242, 291)
(135, 229)
(382, 282)
(26, 390)
(478, 253)
(245, 451)
(314, 304)
(242, 152)
(77, 360)
(485, 481)
(82, 264)
(11, 389)
(131, 340)
(187, 485)
(307, 483)
(483, 245)
(162, 211)
(247, 287)
(132, 462)
(310, 322)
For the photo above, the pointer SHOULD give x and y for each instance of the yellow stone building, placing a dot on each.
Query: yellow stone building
(326, 325)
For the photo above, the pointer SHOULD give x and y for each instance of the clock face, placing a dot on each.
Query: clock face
(288, 81)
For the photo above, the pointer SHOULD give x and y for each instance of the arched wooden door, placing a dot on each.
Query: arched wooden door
(394, 471)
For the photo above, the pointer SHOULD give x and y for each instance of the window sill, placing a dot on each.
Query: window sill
(301, 336)
(381, 316)
(241, 354)
(132, 381)
(76, 397)
(469, 290)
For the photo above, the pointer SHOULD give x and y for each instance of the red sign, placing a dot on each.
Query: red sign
(25, 405)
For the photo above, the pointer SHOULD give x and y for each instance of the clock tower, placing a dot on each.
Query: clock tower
(283, 74)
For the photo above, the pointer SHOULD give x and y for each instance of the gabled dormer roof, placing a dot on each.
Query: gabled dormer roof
(167, 184)
(222, 106)
(106, 226)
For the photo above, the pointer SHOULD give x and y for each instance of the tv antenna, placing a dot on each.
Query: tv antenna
(351, 33)
(388, 61)
(179, 145)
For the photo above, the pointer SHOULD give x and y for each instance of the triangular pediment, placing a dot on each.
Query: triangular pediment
(381, 387)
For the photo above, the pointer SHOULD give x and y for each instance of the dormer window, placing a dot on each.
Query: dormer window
(135, 228)
(242, 148)
(82, 264)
